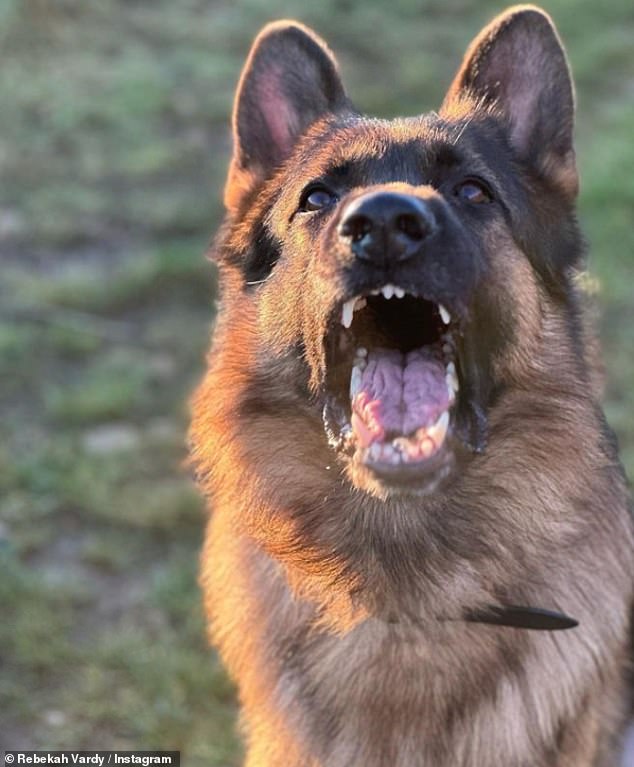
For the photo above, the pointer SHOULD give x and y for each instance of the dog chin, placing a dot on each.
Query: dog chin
(424, 478)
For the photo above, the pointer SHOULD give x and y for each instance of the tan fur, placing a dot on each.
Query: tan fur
(338, 602)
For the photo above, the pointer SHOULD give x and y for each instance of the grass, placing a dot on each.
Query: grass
(113, 144)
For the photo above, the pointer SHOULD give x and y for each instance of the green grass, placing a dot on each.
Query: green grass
(114, 142)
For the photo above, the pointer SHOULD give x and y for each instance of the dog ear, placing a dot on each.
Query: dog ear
(518, 64)
(289, 81)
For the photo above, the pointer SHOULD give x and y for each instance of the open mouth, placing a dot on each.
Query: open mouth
(392, 382)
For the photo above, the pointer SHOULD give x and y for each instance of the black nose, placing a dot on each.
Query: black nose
(384, 227)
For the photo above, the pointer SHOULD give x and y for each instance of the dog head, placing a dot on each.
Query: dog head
(400, 275)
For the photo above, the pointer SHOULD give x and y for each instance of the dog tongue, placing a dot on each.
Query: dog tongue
(398, 393)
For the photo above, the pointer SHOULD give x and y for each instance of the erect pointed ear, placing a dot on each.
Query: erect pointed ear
(289, 81)
(518, 63)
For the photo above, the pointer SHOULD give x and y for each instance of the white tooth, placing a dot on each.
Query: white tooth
(399, 292)
(451, 378)
(400, 445)
(362, 352)
(390, 455)
(388, 291)
(447, 348)
(446, 317)
(438, 431)
(355, 381)
(347, 312)
(359, 304)
(428, 447)
(375, 292)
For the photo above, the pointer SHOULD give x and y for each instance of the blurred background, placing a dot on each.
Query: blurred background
(114, 141)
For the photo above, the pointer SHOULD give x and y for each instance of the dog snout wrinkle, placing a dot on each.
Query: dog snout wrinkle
(386, 227)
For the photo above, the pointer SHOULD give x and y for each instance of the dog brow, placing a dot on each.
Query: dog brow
(341, 170)
(445, 154)
(463, 128)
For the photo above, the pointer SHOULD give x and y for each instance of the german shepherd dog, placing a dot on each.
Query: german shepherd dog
(414, 488)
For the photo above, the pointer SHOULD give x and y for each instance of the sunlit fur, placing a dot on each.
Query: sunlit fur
(337, 602)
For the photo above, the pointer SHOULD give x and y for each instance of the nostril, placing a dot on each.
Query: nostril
(356, 227)
(385, 226)
(412, 225)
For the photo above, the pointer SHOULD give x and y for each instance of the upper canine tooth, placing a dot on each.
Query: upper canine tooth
(399, 292)
(446, 317)
(360, 303)
(347, 312)
(388, 291)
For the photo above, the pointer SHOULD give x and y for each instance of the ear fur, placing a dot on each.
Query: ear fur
(289, 81)
(518, 64)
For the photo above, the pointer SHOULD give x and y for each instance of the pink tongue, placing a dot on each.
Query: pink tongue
(399, 393)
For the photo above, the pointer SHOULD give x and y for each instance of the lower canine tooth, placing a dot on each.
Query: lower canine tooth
(452, 382)
(347, 312)
(438, 431)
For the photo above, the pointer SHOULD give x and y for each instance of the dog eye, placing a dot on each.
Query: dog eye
(316, 198)
(473, 191)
